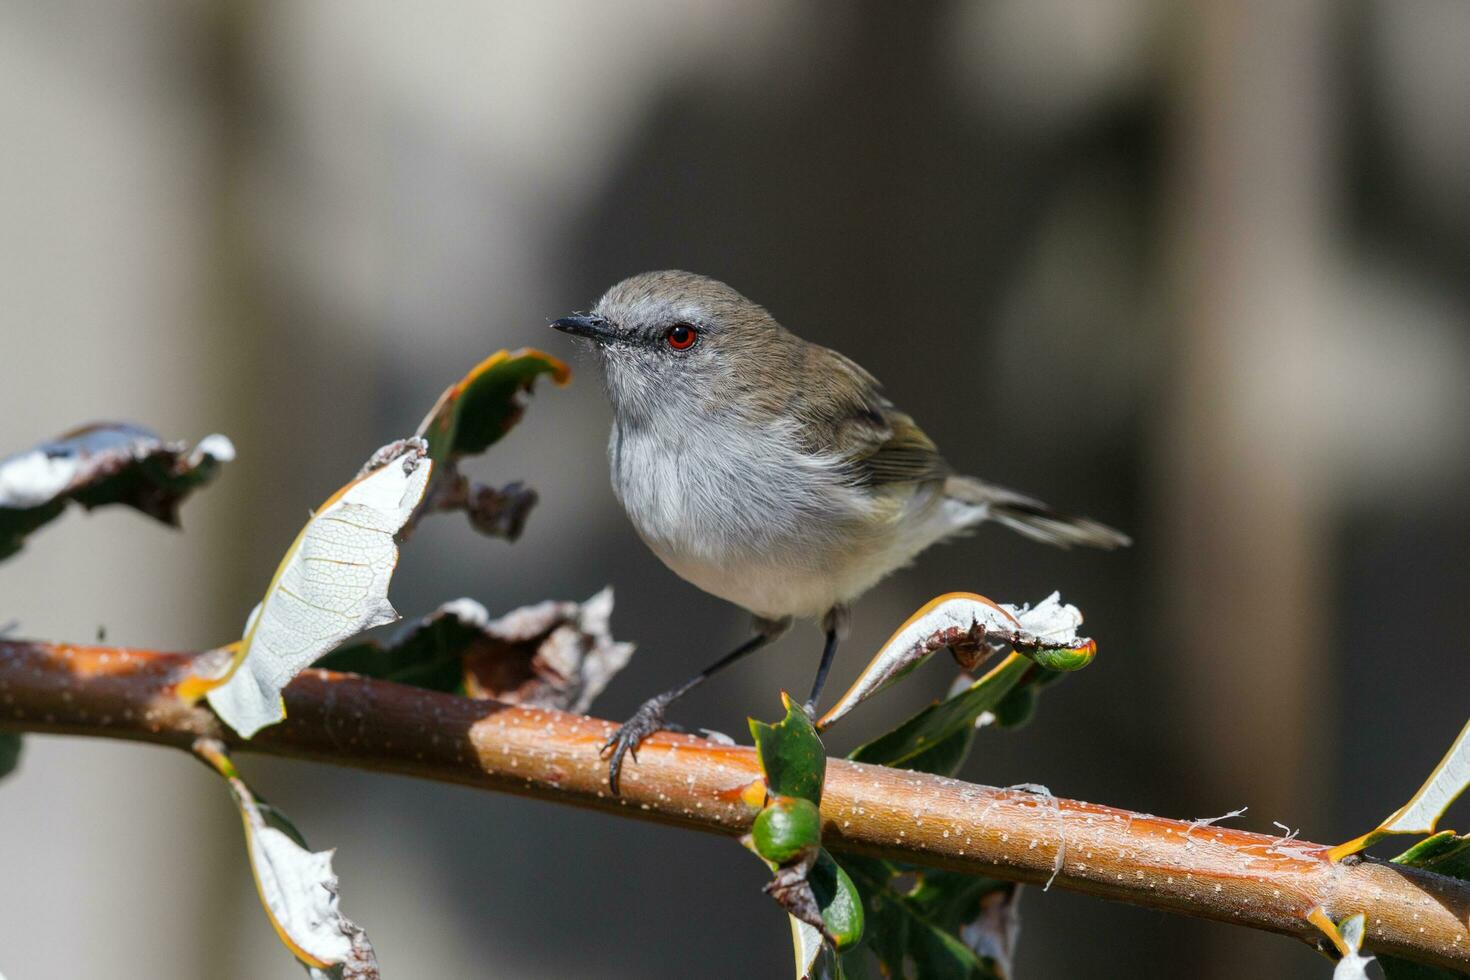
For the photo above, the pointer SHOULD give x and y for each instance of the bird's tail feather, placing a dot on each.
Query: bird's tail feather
(1031, 517)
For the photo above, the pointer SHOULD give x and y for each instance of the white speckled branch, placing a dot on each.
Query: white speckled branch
(1214, 872)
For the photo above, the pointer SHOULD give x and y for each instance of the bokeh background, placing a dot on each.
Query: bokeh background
(1195, 268)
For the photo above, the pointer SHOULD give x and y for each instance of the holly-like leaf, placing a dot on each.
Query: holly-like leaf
(296, 885)
(971, 626)
(470, 416)
(937, 738)
(10, 746)
(332, 584)
(791, 755)
(1420, 815)
(549, 655)
(105, 463)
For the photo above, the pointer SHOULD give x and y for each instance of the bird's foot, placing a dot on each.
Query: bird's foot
(649, 718)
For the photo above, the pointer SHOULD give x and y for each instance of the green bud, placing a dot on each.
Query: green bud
(786, 829)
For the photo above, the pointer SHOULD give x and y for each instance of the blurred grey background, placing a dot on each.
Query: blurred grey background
(1196, 269)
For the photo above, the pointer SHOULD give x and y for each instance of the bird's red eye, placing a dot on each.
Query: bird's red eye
(681, 336)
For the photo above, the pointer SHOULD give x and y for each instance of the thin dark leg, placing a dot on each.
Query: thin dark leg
(649, 717)
(829, 652)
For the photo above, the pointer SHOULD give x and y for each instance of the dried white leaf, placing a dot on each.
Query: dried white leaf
(1445, 784)
(299, 892)
(569, 648)
(332, 584)
(959, 618)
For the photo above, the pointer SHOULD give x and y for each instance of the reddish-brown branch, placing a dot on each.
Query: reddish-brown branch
(1214, 872)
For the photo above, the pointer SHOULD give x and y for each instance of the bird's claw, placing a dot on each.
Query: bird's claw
(649, 718)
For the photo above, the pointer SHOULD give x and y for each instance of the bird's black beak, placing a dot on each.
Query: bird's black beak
(594, 328)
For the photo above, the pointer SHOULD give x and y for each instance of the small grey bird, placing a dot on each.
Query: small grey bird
(769, 471)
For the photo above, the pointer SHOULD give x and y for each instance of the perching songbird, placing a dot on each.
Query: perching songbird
(769, 471)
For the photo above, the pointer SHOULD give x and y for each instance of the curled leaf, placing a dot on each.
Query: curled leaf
(332, 583)
(791, 755)
(297, 887)
(105, 463)
(470, 416)
(476, 411)
(1420, 815)
(971, 626)
(549, 655)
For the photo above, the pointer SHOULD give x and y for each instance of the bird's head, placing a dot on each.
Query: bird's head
(674, 341)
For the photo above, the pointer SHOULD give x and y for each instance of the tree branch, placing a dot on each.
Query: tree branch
(1213, 872)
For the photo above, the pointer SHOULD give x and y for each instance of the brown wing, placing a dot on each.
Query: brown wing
(845, 409)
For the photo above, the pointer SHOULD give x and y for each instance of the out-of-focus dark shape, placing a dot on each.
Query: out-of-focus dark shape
(98, 464)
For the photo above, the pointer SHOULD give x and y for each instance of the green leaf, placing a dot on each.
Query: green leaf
(10, 745)
(928, 740)
(475, 412)
(107, 463)
(1444, 853)
(912, 931)
(791, 754)
(787, 828)
(471, 415)
(839, 899)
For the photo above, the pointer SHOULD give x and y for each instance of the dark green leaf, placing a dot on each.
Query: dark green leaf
(912, 937)
(839, 899)
(427, 653)
(10, 744)
(919, 739)
(1444, 852)
(101, 464)
(791, 754)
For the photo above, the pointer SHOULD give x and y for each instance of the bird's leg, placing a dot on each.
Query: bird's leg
(649, 717)
(835, 623)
